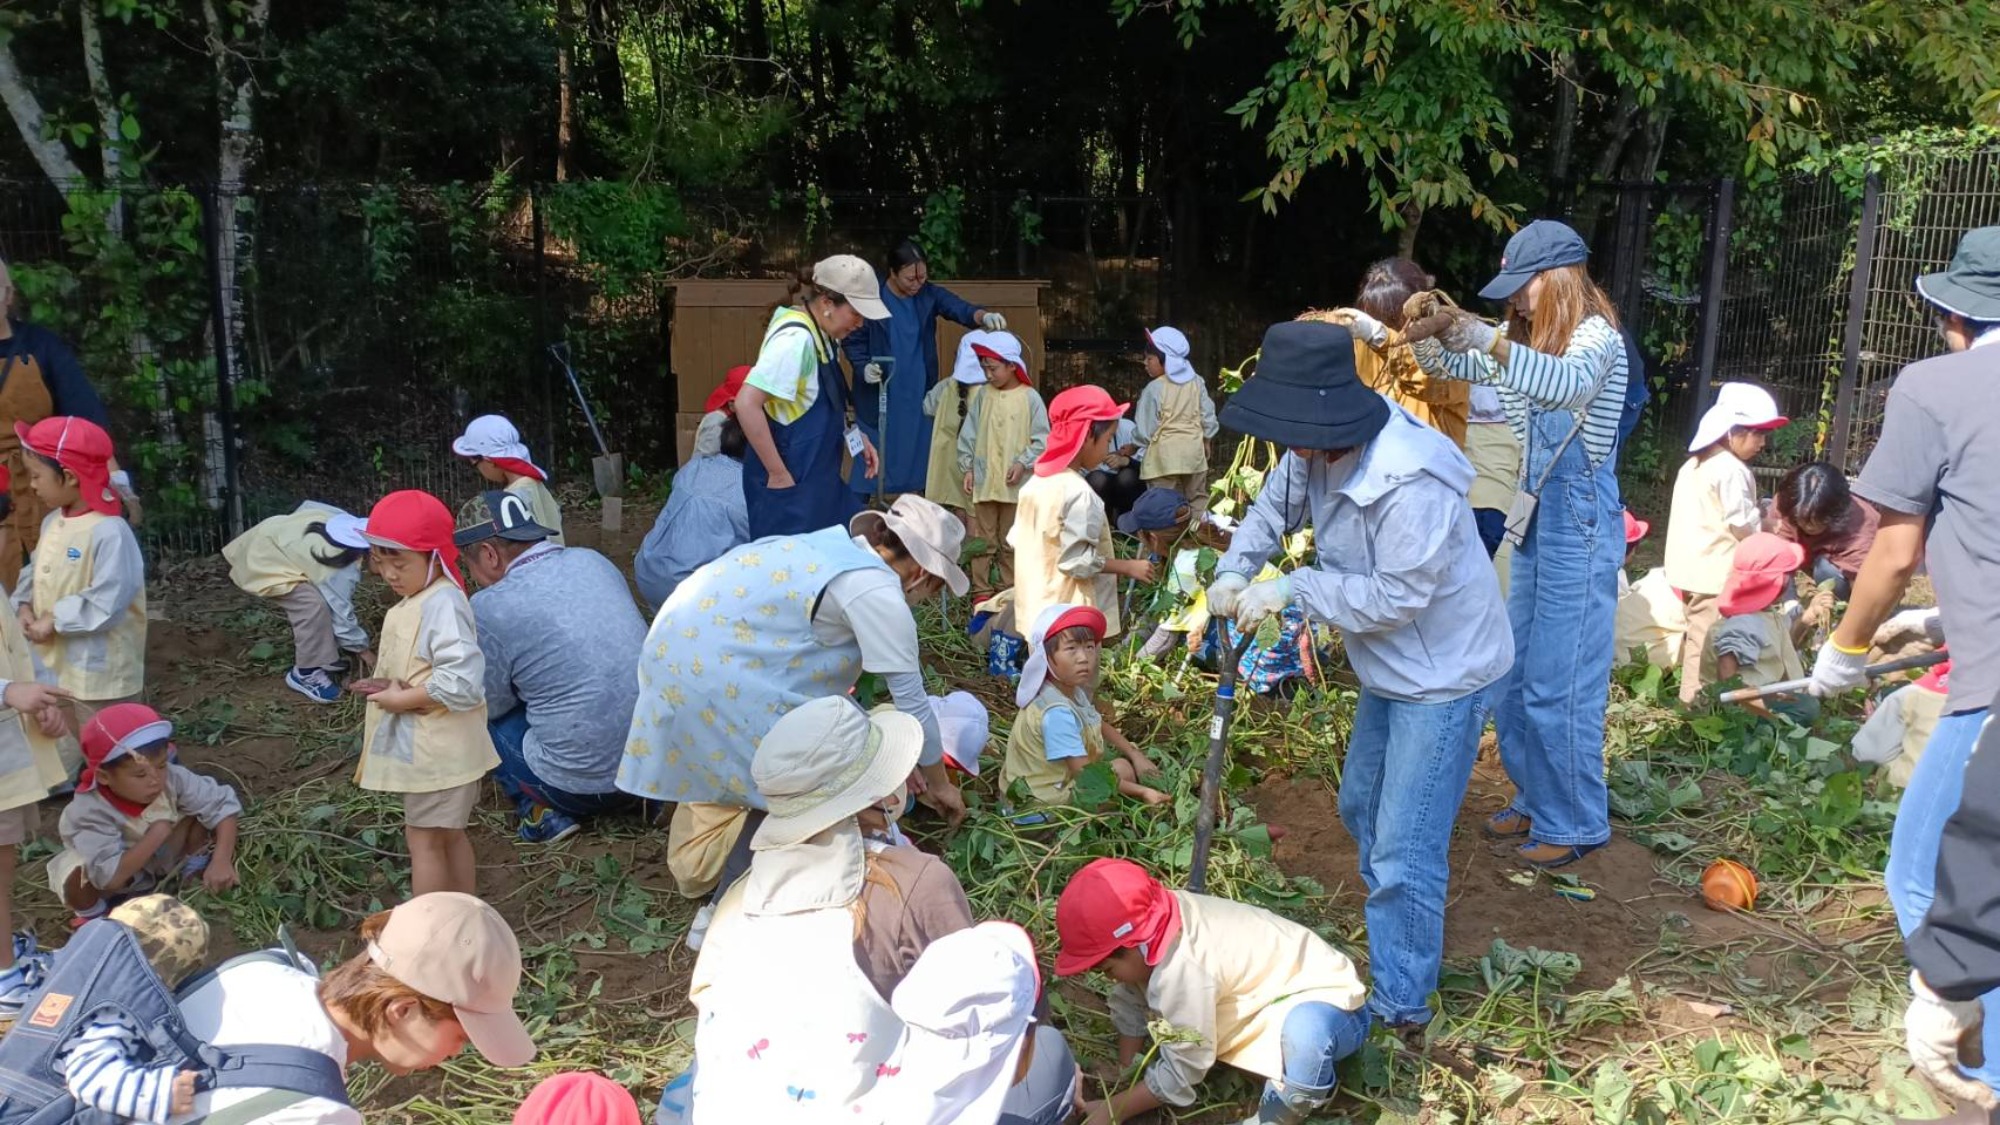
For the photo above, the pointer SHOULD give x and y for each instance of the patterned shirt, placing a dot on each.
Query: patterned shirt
(101, 1065)
(1589, 376)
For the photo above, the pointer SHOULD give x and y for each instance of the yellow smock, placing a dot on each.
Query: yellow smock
(1445, 405)
(944, 482)
(30, 765)
(275, 557)
(80, 574)
(1177, 444)
(442, 747)
(1061, 541)
(1002, 426)
(541, 504)
(1027, 752)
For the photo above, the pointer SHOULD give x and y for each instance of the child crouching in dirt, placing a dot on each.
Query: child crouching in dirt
(1059, 731)
(1248, 988)
(309, 562)
(424, 734)
(106, 1062)
(1753, 640)
(139, 817)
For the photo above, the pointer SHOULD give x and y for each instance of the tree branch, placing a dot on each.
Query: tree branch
(26, 110)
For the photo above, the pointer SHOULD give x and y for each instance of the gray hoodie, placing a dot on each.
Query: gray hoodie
(1400, 568)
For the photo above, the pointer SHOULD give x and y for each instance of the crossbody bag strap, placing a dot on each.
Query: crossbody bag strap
(1582, 414)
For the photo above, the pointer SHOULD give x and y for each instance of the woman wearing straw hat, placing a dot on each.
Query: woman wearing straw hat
(1401, 573)
(793, 405)
(754, 634)
(793, 996)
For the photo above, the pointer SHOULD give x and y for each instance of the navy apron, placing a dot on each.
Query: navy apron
(811, 448)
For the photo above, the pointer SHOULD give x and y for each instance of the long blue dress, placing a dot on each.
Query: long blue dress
(910, 335)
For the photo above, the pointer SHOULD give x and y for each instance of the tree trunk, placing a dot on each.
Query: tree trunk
(607, 76)
(1562, 143)
(565, 88)
(110, 127)
(26, 110)
(1406, 238)
(235, 94)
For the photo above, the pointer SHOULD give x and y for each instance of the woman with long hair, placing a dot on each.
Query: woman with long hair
(1382, 358)
(793, 405)
(1559, 363)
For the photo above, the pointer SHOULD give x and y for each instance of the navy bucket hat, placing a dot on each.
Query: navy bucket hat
(1541, 245)
(1305, 393)
(1970, 286)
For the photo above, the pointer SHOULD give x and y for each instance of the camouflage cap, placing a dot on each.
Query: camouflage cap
(173, 936)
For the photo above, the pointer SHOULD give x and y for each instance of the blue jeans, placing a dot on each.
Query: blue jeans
(1315, 1038)
(1930, 799)
(518, 781)
(1405, 776)
(1563, 605)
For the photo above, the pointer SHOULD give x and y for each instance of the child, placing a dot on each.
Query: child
(82, 596)
(1058, 731)
(1650, 617)
(1176, 419)
(1160, 517)
(309, 562)
(104, 1062)
(30, 767)
(497, 452)
(578, 1098)
(1063, 554)
(1814, 507)
(139, 817)
(1254, 990)
(945, 406)
(424, 734)
(1895, 734)
(1005, 428)
(1715, 506)
(1753, 639)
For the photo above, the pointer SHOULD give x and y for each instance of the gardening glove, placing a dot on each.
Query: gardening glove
(1364, 327)
(1223, 591)
(1468, 333)
(1933, 1027)
(1261, 600)
(1835, 671)
(871, 374)
(993, 322)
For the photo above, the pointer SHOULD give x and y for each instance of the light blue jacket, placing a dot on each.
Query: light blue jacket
(1400, 569)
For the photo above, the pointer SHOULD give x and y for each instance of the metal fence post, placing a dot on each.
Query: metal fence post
(1714, 280)
(1857, 318)
(219, 300)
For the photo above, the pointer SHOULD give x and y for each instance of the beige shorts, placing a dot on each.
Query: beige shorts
(445, 808)
(18, 826)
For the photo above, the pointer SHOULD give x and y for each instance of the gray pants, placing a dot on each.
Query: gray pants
(312, 627)
(1047, 1096)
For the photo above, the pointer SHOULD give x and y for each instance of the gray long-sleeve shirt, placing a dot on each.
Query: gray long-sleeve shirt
(562, 638)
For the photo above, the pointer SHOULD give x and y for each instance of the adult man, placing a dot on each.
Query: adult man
(1402, 574)
(561, 638)
(1937, 467)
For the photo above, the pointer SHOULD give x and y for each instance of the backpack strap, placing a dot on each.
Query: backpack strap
(287, 1076)
(254, 1108)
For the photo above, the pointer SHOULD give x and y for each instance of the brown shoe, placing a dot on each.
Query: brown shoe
(1507, 824)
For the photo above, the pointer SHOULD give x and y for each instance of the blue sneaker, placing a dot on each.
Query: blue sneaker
(547, 826)
(314, 684)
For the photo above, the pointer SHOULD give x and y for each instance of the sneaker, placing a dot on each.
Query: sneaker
(547, 826)
(698, 929)
(314, 684)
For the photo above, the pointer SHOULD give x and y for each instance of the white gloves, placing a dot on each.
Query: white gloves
(1468, 334)
(1834, 671)
(993, 322)
(871, 374)
(1932, 1029)
(1365, 327)
(1223, 591)
(1263, 599)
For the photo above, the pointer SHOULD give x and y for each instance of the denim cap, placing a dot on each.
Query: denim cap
(1156, 509)
(1970, 286)
(1541, 245)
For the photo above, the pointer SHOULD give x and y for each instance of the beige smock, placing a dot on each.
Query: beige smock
(1027, 752)
(1002, 429)
(541, 504)
(30, 765)
(1715, 506)
(944, 481)
(96, 834)
(1651, 619)
(87, 574)
(1061, 541)
(1175, 421)
(428, 641)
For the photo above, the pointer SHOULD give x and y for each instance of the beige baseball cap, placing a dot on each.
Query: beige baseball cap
(455, 948)
(931, 535)
(855, 280)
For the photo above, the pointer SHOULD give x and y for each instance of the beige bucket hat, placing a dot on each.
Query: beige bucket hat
(824, 762)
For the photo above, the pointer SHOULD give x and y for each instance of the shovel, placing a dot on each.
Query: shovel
(1873, 672)
(607, 469)
(1211, 773)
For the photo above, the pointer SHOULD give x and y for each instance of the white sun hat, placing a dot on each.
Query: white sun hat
(824, 762)
(968, 1007)
(1736, 404)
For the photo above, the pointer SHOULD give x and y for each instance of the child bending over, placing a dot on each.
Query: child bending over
(139, 817)
(1249, 988)
(424, 734)
(1058, 731)
(106, 1062)
(309, 562)
(1753, 640)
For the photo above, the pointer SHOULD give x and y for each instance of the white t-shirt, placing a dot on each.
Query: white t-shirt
(868, 605)
(267, 1003)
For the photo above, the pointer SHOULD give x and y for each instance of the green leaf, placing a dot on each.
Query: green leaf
(128, 127)
(1095, 785)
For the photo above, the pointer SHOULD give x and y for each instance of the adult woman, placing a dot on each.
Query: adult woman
(793, 405)
(1383, 360)
(794, 994)
(907, 335)
(769, 625)
(1560, 366)
(39, 378)
(439, 971)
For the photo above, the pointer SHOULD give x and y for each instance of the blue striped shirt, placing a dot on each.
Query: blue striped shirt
(1532, 380)
(100, 1064)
